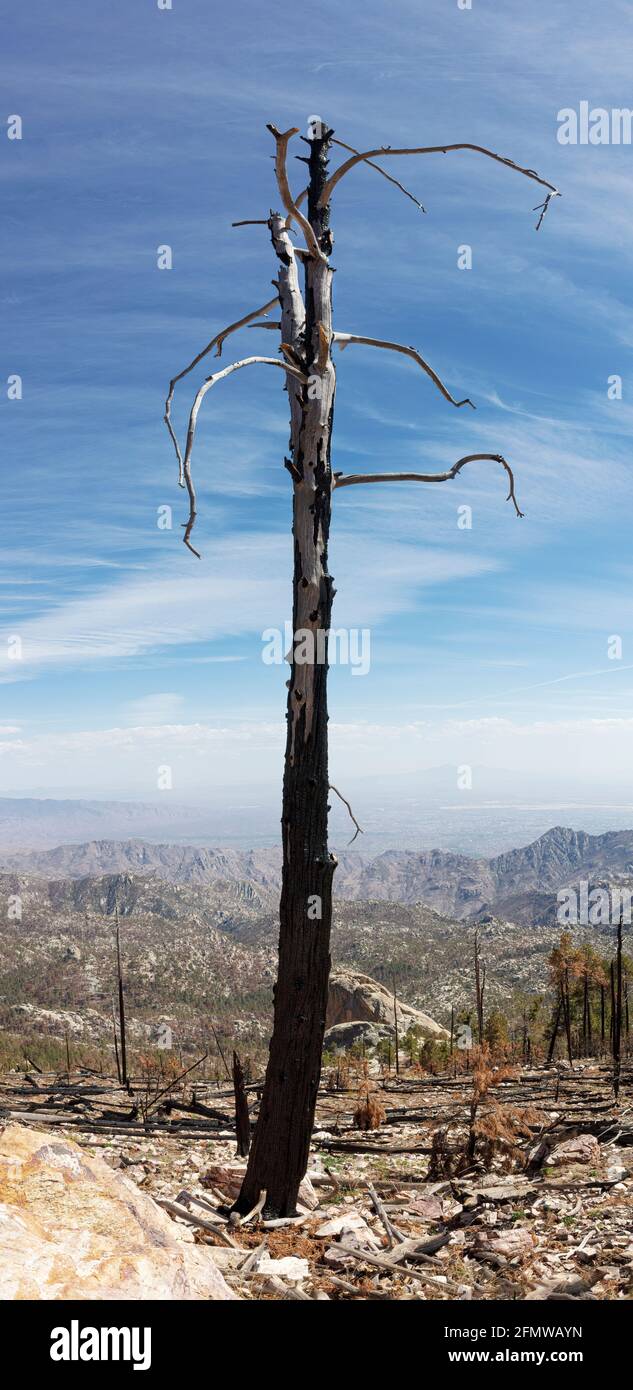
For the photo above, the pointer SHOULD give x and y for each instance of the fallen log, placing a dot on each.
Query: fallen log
(184, 1214)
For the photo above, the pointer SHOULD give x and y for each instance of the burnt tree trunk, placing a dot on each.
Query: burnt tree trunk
(567, 1017)
(479, 990)
(612, 1018)
(617, 1017)
(554, 1034)
(124, 1075)
(242, 1117)
(280, 1148)
(116, 1047)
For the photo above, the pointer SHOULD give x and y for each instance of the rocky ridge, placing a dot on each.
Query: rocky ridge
(454, 884)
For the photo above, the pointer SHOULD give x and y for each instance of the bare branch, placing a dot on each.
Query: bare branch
(343, 339)
(340, 480)
(217, 341)
(187, 480)
(265, 222)
(384, 150)
(293, 312)
(359, 830)
(389, 177)
(542, 208)
(281, 141)
(301, 197)
(290, 298)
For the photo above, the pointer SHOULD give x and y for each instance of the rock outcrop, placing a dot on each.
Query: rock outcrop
(72, 1228)
(341, 1036)
(355, 998)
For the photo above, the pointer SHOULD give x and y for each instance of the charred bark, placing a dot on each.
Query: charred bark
(480, 981)
(280, 1148)
(617, 1016)
(567, 1017)
(124, 1075)
(242, 1117)
(554, 1034)
(395, 1025)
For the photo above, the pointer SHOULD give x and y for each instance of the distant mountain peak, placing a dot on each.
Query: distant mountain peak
(453, 884)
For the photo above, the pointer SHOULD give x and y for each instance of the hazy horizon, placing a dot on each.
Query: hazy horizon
(394, 814)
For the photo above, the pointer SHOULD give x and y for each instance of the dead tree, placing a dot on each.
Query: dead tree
(242, 1117)
(279, 1152)
(124, 1075)
(567, 1015)
(613, 1004)
(480, 985)
(116, 1047)
(552, 1041)
(617, 1014)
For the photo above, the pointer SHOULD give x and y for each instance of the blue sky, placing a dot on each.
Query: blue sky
(144, 127)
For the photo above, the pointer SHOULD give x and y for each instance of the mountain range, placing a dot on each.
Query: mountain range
(454, 884)
(199, 930)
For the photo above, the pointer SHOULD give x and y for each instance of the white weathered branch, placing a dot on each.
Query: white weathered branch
(217, 341)
(349, 480)
(385, 150)
(281, 142)
(359, 828)
(293, 312)
(187, 480)
(388, 177)
(343, 339)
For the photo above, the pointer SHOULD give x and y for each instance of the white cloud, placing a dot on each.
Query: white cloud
(159, 707)
(241, 588)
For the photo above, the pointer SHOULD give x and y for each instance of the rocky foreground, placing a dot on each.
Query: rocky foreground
(109, 1182)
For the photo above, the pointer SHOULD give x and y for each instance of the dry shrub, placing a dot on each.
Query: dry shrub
(442, 1162)
(486, 1073)
(499, 1131)
(369, 1113)
(496, 1129)
(158, 1066)
(338, 1076)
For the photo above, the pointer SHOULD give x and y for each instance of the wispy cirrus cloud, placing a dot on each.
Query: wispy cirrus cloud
(242, 590)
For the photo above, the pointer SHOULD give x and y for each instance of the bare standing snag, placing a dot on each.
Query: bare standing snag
(279, 1153)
